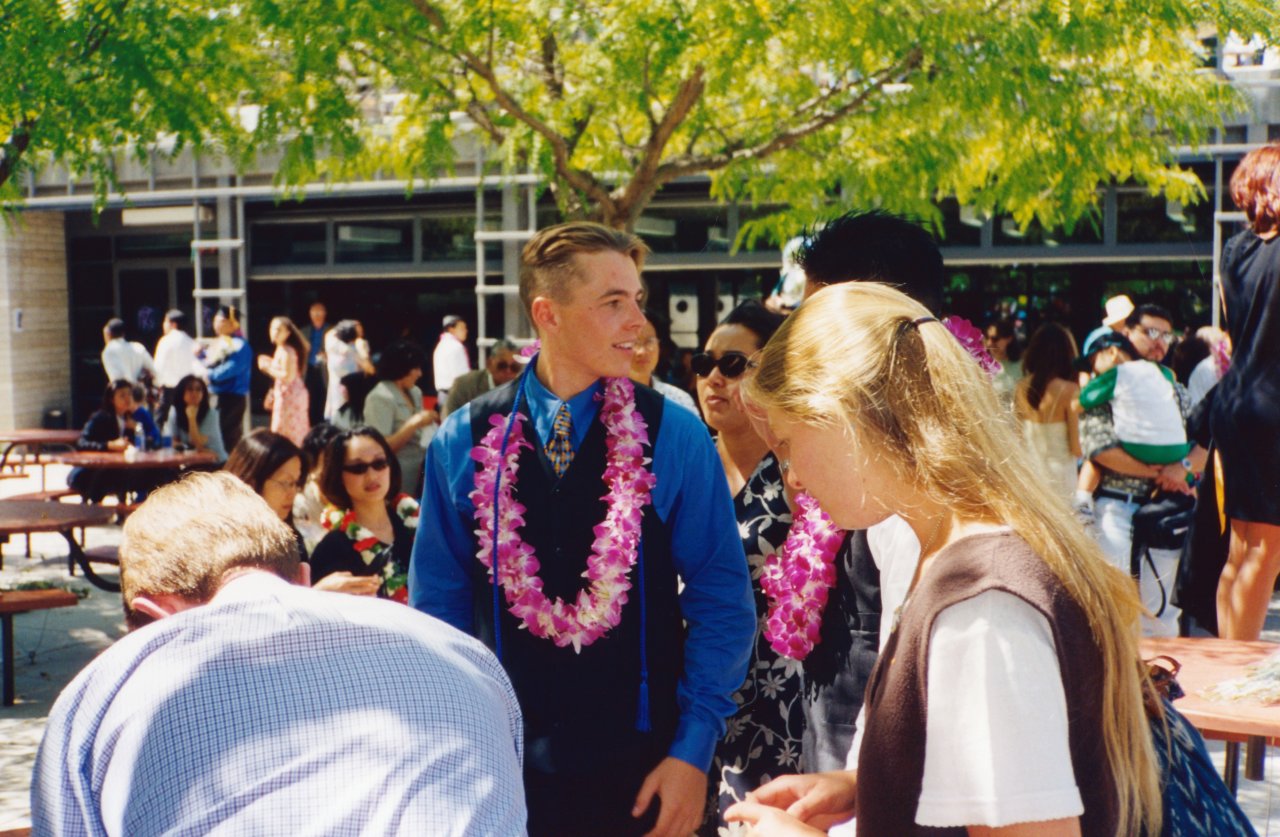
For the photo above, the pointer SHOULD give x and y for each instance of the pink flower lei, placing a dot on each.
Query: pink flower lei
(796, 579)
(598, 608)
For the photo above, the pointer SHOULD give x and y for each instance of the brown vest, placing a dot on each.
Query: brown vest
(891, 761)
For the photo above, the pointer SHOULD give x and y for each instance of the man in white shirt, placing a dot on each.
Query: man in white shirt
(122, 359)
(450, 358)
(175, 360)
(252, 705)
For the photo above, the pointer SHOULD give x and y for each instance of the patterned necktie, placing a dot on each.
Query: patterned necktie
(560, 446)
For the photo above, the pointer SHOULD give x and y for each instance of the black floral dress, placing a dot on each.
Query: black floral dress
(763, 737)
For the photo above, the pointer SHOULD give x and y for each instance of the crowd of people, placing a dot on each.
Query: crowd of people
(875, 555)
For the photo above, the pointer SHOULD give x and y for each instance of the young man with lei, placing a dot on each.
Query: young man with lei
(606, 503)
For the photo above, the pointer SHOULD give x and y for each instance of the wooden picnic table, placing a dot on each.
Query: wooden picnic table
(35, 440)
(13, 602)
(168, 458)
(1206, 662)
(25, 517)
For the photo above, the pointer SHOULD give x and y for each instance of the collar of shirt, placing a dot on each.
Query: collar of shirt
(544, 404)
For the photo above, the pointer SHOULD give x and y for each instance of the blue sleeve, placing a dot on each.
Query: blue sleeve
(144, 417)
(440, 570)
(717, 603)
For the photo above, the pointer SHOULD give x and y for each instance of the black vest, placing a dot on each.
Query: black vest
(580, 709)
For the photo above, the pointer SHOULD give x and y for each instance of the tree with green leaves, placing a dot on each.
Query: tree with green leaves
(1020, 106)
(83, 81)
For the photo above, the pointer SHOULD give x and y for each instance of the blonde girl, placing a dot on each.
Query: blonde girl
(1018, 638)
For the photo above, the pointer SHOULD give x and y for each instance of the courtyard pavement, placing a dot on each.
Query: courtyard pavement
(52, 646)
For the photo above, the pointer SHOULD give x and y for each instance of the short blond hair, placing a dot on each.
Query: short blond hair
(546, 264)
(866, 359)
(188, 534)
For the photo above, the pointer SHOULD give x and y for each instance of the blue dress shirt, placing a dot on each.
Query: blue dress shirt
(691, 497)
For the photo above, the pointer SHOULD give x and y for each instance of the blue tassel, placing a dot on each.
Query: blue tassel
(642, 710)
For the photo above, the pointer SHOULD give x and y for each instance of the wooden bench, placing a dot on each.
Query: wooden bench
(13, 602)
(51, 495)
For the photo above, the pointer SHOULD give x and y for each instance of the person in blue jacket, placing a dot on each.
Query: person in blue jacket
(230, 363)
(621, 714)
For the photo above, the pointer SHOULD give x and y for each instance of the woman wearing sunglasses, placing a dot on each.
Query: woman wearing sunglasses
(766, 731)
(369, 521)
(394, 408)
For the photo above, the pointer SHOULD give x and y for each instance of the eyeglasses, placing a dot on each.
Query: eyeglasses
(730, 364)
(357, 469)
(286, 485)
(506, 366)
(1161, 335)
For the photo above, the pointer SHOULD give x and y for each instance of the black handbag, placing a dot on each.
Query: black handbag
(1162, 523)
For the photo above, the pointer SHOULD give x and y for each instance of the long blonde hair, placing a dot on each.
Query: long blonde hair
(854, 358)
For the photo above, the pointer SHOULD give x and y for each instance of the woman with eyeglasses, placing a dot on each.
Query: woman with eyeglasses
(273, 466)
(645, 357)
(765, 733)
(370, 523)
(394, 408)
(193, 421)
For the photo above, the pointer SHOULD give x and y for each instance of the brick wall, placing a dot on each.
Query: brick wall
(35, 364)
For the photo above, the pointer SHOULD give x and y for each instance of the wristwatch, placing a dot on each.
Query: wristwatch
(1191, 477)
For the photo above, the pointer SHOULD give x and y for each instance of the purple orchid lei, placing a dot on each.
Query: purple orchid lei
(598, 608)
(796, 579)
(971, 338)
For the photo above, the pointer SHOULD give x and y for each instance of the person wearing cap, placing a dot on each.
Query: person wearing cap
(1133, 425)
(625, 680)
(450, 359)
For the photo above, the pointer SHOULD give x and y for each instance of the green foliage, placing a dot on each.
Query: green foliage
(1021, 106)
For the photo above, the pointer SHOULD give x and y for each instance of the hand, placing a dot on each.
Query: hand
(682, 792)
(766, 821)
(264, 363)
(817, 799)
(1173, 478)
(425, 418)
(192, 410)
(344, 582)
(118, 444)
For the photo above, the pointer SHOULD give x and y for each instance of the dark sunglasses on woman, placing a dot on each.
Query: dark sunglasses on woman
(730, 364)
(360, 468)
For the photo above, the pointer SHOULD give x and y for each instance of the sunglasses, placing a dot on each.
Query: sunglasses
(359, 468)
(506, 365)
(730, 364)
(1158, 334)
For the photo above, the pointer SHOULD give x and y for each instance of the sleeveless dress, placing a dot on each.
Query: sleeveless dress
(1047, 442)
(289, 413)
(1246, 405)
(763, 737)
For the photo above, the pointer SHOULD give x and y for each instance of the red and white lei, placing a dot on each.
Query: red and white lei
(598, 607)
(796, 578)
(363, 540)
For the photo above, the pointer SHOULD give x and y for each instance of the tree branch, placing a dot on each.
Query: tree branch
(643, 183)
(13, 149)
(553, 80)
(813, 123)
(581, 180)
